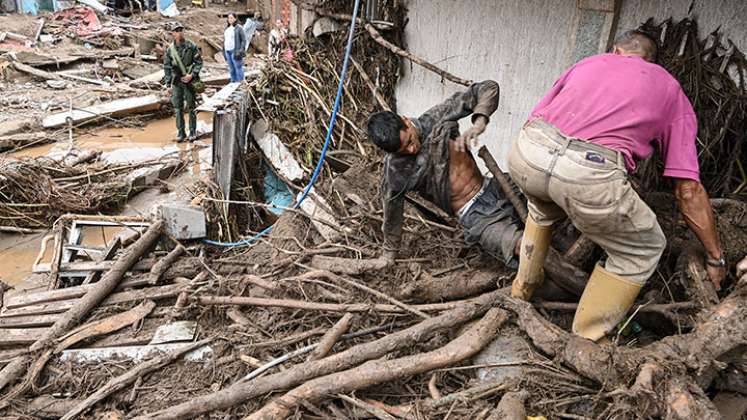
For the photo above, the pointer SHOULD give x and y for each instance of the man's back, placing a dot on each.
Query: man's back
(625, 103)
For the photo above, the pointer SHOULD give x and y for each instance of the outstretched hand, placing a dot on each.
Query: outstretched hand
(468, 139)
(717, 275)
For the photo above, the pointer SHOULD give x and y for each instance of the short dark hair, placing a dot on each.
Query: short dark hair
(383, 129)
(639, 42)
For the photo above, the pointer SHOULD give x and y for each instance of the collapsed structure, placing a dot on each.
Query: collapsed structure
(304, 320)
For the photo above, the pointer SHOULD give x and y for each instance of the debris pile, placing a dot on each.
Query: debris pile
(712, 73)
(308, 322)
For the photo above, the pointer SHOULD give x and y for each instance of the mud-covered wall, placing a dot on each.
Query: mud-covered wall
(525, 44)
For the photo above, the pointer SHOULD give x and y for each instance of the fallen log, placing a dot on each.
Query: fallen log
(121, 381)
(379, 371)
(41, 74)
(164, 263)
(330, 338)
(242, 391)
(318, 306)
(434, 289)
(347, 265)
(101, 289)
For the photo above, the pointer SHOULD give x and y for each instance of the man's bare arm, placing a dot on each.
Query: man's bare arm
(695, 205)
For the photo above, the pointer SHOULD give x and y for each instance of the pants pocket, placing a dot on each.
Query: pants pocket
(592, 218)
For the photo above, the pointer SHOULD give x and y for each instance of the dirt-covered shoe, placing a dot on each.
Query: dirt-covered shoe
(192, 137)
(180, 138)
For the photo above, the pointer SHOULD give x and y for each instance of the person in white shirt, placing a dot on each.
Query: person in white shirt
(276, 39)
(234, 48)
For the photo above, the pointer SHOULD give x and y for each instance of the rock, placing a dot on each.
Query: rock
(510, 351)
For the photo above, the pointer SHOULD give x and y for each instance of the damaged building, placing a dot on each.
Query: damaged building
(244, 273)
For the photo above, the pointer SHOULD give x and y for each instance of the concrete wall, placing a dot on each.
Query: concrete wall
(526, 44)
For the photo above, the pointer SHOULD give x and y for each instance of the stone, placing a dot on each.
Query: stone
(508, 352)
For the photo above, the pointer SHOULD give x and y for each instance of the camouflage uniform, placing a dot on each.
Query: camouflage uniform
(181, 93)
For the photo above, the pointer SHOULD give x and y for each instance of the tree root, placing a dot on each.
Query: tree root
(375, 372)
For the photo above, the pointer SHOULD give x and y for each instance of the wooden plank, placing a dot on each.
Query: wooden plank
(116, 107)
(14, 337)
(154, 293)
(26, 299)
(29, 321)
(142, 265)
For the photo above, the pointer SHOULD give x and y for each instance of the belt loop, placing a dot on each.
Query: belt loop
(564, 145)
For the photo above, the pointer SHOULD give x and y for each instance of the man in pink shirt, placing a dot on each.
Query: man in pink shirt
(573, 157)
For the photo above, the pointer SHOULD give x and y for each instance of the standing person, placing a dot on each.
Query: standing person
(573, 158)
(276, 39)
(234, 48)
(182, 64)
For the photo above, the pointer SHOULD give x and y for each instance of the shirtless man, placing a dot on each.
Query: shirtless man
(429, 156)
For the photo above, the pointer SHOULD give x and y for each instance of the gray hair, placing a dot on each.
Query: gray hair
(638, 42)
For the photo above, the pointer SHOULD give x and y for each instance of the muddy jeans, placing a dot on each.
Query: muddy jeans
(588, 183)
(491, 221)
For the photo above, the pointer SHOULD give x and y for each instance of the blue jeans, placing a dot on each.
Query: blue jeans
(235, 67)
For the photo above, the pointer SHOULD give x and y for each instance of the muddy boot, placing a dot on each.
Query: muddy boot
(604, 303)
(181, 136)
(534, 246)
(192, 137)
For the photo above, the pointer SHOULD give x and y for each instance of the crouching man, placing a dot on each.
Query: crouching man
(429, 156)
(573, 157)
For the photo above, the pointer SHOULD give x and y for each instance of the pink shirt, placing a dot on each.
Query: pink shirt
(627, 104)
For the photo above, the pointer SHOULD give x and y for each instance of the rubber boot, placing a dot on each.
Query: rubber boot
(604, 303)
(534, 246)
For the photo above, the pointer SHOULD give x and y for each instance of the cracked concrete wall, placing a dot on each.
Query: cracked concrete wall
(525, 45)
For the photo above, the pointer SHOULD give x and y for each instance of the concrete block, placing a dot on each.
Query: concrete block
(183, 221)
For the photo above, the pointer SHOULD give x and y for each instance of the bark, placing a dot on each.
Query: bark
(121, 381)
(379, 371)
(511, 407)
(106, 325)
(330, 338)
(242, 391)
(160, 267)
(347, 265)
(434, 289)
(722, 331)
(318, 306)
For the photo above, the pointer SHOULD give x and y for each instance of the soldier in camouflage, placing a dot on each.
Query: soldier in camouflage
(178, 85)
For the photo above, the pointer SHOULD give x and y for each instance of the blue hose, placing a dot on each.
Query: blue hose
(320, 163)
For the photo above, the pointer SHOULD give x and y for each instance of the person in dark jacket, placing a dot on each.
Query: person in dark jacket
(428, 155)
(178, 84)
(234, 48)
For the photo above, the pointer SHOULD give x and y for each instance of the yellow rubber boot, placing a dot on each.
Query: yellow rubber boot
(604, 303)
(534, 245)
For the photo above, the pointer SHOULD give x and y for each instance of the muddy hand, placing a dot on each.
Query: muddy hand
(187, 78)
(717, 275)
(742, 270)
(469, 138)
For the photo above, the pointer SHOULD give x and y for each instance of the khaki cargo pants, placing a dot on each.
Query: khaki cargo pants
(588, 183)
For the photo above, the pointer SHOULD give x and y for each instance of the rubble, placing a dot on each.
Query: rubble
(307, 320)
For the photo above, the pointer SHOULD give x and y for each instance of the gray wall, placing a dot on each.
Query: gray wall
(524, 45)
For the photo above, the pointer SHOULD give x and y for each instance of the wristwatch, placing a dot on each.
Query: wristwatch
(719, 263)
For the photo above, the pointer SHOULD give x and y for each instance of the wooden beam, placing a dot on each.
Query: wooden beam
(154, 293)
(15, 337)
(118, 107)
(26, 299)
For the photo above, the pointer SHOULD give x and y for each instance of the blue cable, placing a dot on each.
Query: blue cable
(327, 140)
